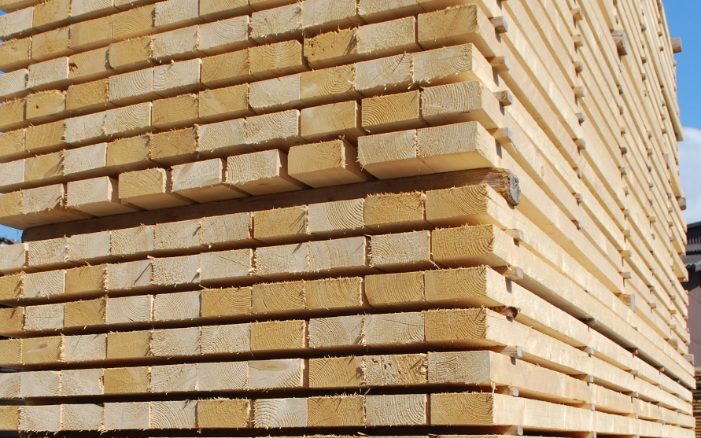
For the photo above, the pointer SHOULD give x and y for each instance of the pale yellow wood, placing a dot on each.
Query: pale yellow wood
(339, 255)
(89, 246)
(12, 287)
(85, 348)
(131, 241)
(15, 53)
(176, 77)
(401, 369)
(173, 147)
(13, 257)
(176, 342)
(280, 225)
(226, 266)
(338, 331)
(12, 174)
(48, 12)
(223, 413)
(85, 280)
(13, 114)
(132, 87)
(214, 8)
(173, 236)
(427, 150)
(12, 321)
(148, 189)
(274, 129)
(127, 416)
(83, 8)
(275, 94)
(45, 105)
(223, 103)
(173, 378)
(45, 168)
(234, 338)
(335, 218)
(277, 59)
(275, 413)
(45, 418)
(130, 54)
(129, 310)
(325, 164)
(89, 65)
(77, 417)
(278, 297)
(97, 197)
(12, 145)
(88, 96)
(392, 112)
(133, 119)
(126, 380)
(51, 73)
(284, 260)
(176, 44)
(395, 211)
(336, 411)
(85, 161)
(224, 35)
(277, 24)
(403, 250)
(128, 153)
(41, 350)
(459, 102)
(44, 284)
(203, 181)
(260, 173)
(175, 111)
(86, 35)
(44, 317)
(396, 410)
(226, 69)
(84, 313)
(325, 85)
(47, 137)
(13, 83)
(374, 40)
(172, 271)
(129, 344)
(225, 302)
(381, 10)
(329, 14)
(394, 329)
(175, 13)
(47, 252)
(226, 229)
(52, 43)
(10, 417)
(276, 373)
(129, 276)
(218, 376)
(388, 74)
(329, 121)
(82, 382)
(223, 137)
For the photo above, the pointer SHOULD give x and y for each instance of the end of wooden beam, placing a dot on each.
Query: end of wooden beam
(515, 234)
(581, 117)
(621, 40)
(504, 136)
(577, 13)
(581, 143)
(504, 97)
(676, 45)
(682, 203)
(500, 63)
(500, 24)
(589, 350)
(578, 66)
(579, 91)
(578, 40)
(513, 273)
(689, 357)
(513, 351)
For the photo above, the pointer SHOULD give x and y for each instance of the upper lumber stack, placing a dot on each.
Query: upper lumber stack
(341, 217)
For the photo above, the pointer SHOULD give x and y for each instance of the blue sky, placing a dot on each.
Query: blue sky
(682, 17)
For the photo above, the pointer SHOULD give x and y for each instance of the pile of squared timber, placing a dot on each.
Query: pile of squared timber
(341, 217)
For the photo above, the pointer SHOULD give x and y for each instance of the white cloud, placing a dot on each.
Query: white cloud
(690, 170)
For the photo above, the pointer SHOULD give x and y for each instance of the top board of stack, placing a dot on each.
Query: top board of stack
(341, 217)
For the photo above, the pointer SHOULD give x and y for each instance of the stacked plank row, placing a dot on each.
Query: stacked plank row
(333, 217)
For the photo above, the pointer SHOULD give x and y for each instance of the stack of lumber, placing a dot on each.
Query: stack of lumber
(341, 217)
(697, 401)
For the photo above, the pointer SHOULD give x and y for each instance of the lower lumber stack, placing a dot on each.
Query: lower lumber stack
(340, 218)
